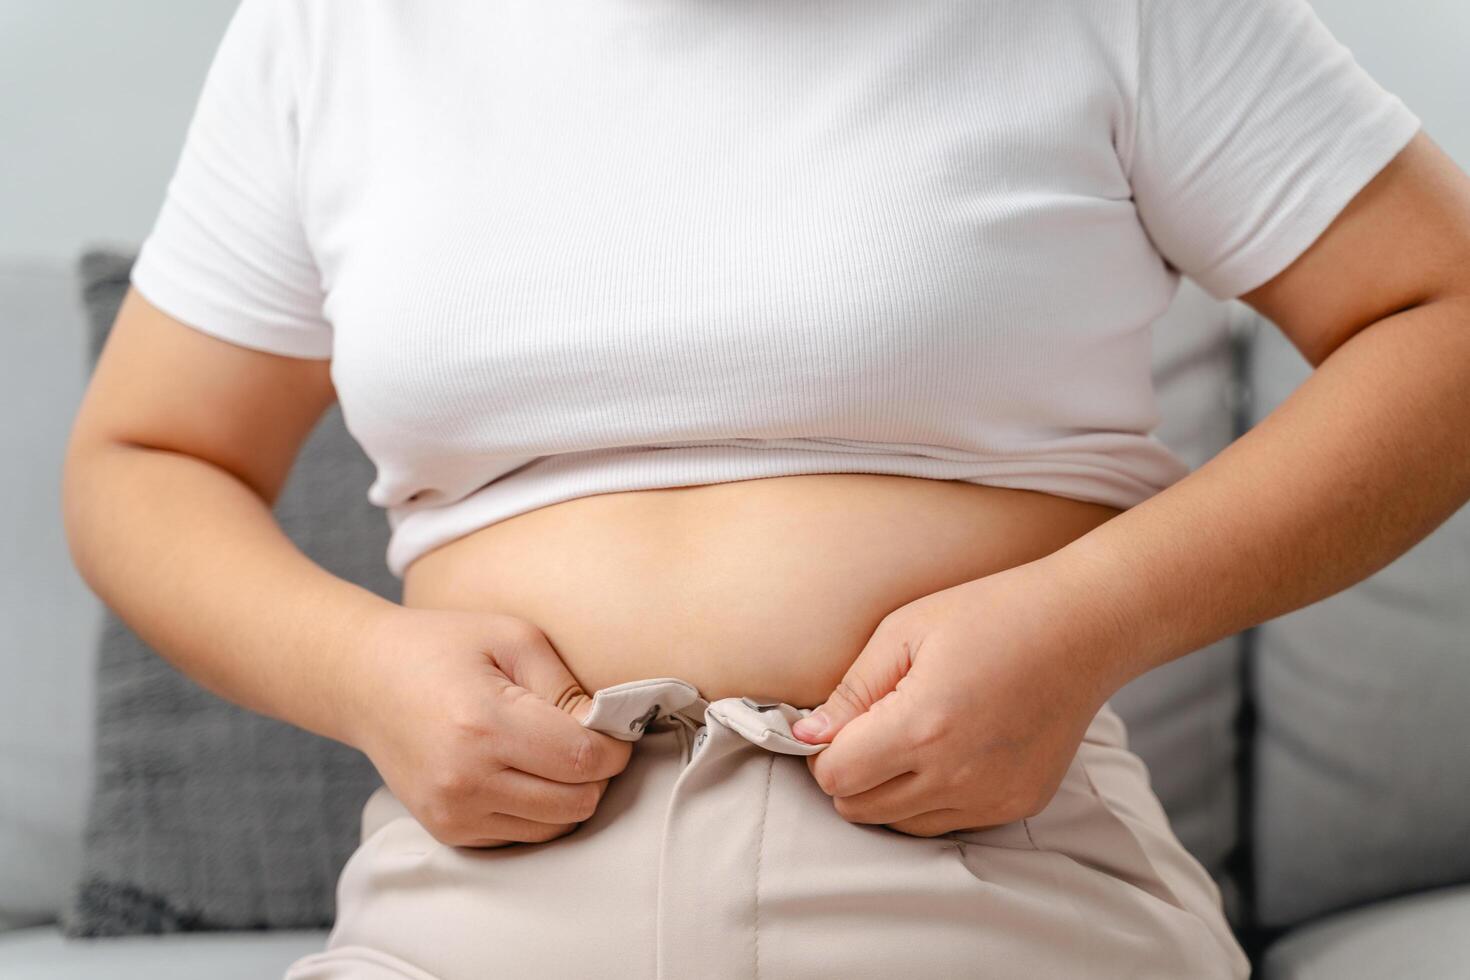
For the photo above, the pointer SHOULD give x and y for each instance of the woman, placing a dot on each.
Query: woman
(729, 365)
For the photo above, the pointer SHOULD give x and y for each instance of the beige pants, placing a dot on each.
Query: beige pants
(714, 854)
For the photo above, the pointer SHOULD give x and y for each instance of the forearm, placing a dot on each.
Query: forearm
(1361, 462)
(196, 564)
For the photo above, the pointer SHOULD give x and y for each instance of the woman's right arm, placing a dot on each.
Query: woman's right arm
(181, 445)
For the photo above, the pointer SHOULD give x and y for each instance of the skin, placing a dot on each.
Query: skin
(966, 706)
(763, 587)
(471, 715)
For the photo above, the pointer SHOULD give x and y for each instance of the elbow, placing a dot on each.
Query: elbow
(86, 501)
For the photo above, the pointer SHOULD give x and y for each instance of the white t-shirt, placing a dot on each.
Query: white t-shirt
(560, 249)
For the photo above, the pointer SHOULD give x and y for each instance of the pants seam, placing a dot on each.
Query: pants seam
(760, 849)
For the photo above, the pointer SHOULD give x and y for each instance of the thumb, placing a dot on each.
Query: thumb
(531, 662)
(877, 670)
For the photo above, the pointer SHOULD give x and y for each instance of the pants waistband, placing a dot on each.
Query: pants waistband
(626, 711)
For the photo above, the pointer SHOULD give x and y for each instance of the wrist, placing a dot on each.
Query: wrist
(352, 669)
(1089, 604)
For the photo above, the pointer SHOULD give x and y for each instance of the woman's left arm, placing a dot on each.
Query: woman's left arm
(967, 705)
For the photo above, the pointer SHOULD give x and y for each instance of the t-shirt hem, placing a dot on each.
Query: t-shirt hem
(1090, 477)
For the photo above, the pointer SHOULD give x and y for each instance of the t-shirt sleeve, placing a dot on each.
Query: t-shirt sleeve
(228, 254)
(1253, 128)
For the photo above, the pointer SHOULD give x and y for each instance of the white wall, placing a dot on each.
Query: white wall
(94, 98)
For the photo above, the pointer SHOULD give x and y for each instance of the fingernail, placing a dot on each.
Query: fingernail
(812, 726)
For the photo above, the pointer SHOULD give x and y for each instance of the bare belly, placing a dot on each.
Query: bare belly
(762, 587)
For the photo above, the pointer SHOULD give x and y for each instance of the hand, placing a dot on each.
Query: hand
(966, 706)
(473, 721)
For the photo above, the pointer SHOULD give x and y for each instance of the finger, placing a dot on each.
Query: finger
(497, 829)
(523, 794)
(877, 670)
(899, 798)
(533, 663)
(554, 745)
(539, 738)
(869, 751)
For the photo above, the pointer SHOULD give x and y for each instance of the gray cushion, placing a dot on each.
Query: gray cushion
(48, 618)
(1181, 717)
(43, 954)
(1417, 937)
(206, 816)
(1363, 773)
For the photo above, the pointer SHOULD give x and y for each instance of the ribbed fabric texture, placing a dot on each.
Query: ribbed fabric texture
(565, 249)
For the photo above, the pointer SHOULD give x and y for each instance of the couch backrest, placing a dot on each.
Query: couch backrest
(1362, 751)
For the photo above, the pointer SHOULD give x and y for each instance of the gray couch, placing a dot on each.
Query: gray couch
(1317, 765)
